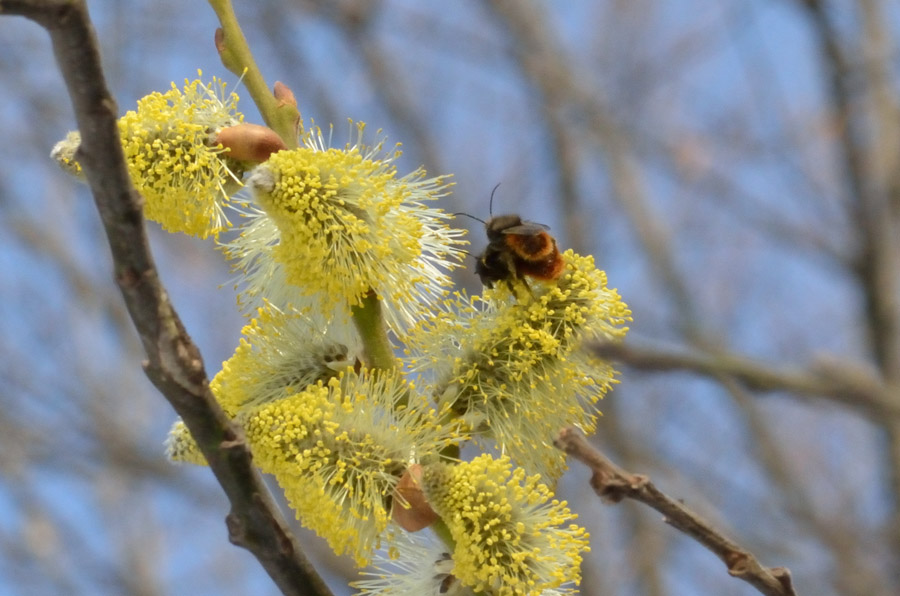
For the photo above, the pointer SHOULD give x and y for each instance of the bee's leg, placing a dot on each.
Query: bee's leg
(516, 283)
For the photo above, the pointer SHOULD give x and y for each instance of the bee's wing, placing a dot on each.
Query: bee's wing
(526, 228)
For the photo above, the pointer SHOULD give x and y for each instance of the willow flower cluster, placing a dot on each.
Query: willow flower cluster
(339, 449)
(331, 225)
(185, 176)
(334, 249)
(511, 365)
(280, 353)
(511, 536)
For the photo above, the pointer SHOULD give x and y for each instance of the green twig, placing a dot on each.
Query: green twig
(369, 321)
(441, 530)
(282, 117)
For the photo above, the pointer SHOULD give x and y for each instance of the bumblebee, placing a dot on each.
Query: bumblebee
(517, 248)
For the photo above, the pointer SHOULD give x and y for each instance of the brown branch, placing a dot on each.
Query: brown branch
(870, 160)
(174, 363)
(831, 380)
(612, 484)
(878, 257)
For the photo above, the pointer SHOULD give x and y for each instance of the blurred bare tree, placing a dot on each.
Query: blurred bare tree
(734, 166)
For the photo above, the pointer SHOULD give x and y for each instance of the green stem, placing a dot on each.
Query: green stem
(281, 117)
(451, 451)
(443, 532)
(370, 324)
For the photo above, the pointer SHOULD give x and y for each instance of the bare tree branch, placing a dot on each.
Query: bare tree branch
(870, 161)
(878, 259)
(612, 484)
(174, 363)
(836, 382)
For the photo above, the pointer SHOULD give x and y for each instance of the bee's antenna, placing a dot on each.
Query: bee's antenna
(472, 216)
(491, 204)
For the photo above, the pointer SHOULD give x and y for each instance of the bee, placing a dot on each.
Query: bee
(517, 248)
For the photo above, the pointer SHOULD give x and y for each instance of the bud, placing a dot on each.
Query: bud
(284, 95)
(411, 510)
(250, 142)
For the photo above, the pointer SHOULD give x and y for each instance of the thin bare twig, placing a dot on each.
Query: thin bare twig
(612, 484)
(878, 257)
(831, 380)
(870, 162)
(174, 363)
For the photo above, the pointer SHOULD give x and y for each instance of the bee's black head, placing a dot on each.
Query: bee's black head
(496, 225)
